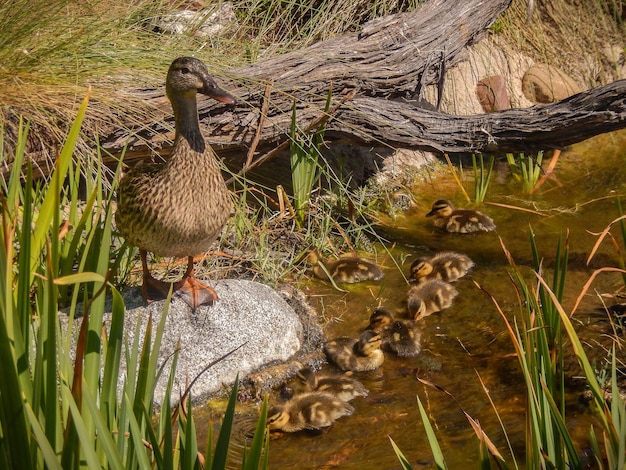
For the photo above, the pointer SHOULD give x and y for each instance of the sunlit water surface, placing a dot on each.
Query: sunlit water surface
(466, 350)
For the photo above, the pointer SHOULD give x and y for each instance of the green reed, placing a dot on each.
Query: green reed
(61, 407)
(305, 152)
(482, 176)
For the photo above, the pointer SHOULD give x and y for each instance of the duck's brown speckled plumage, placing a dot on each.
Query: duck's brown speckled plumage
(360, 354)
(401, 337)
(313, 410)
(178, 208)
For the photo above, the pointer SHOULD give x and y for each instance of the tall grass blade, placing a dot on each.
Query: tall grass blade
(432, 438)
(49, 207)
(221, 447)
(260, 441)
(403, 460)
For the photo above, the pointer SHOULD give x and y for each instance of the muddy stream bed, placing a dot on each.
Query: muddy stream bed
(465, 349)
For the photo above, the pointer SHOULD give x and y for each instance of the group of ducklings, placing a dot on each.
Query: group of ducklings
(431, 293)
(325, 397)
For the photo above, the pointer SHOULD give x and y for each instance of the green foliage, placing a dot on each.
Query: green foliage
(61, 406)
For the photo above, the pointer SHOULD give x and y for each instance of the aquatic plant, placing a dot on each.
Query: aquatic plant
(482, 176)
(305, 151)
(481, 173)
(526, 169)
(61, 407)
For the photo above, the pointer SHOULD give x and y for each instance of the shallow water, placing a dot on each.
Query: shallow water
(467, 345)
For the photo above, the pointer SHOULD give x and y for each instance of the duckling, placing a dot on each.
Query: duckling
(380, 320)
(459, 220)
(400, 337)
(179, 207)
(342, 386)
(447, 266)
(349, 269)
(429, 297)
(404, 338)
(356, 354)
(314, 410)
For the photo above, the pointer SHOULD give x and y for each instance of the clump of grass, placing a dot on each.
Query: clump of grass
(526, 169)
(305, 152)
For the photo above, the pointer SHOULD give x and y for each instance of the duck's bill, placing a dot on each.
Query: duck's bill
(219, 95)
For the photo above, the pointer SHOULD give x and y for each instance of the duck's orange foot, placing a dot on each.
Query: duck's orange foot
(189, 289)
(194, 292)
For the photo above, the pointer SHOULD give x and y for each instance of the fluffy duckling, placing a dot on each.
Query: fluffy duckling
(315, 411)
(459, 220)
(429, 297)
(342, 386)
(447, 266)
(401, 337)
(404, 338)
(356, 354)
(348, 270)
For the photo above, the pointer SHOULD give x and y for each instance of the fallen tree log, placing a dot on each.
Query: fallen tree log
(374, 74)
(390, 58)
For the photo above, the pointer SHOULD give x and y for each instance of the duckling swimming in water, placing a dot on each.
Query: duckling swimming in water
(429, 297)
(342, 386)
(315, 411)
(356, 354)
(459, 220)
(447, 266)
(401, 337)
(349, 269)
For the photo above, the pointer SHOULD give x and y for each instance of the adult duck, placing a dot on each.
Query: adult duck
(179, 207)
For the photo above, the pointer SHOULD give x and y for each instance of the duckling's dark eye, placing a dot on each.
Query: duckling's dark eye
(184, 70)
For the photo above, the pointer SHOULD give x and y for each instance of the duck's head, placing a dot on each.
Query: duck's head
(277, 418)
(369, 341)
(188, 76)
(417, 308)
(379, 319)
(441, 208)
(419, 269)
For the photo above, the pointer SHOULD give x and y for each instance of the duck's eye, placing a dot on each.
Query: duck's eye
(184, 70)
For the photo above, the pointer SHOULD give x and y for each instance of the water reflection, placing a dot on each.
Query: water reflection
(466, 350)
